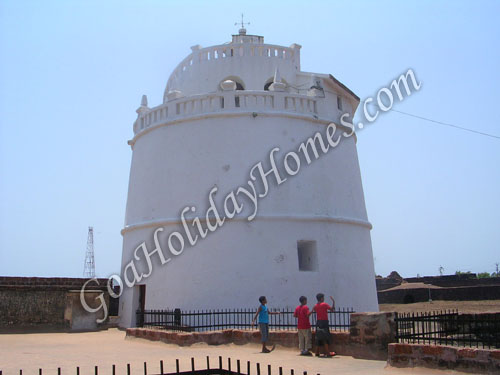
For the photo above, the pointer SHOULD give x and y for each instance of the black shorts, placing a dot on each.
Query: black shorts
(323, 333)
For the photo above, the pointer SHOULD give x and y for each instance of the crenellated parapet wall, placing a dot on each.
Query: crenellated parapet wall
(267, 80)
(231, 53)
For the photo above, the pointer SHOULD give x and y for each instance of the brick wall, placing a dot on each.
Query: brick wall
(368, 338)
(288, 339)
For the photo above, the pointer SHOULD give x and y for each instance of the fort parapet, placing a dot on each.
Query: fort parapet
(46, 302)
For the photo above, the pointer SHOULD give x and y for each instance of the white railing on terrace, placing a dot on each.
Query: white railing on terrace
(225, 51)
(234, 101)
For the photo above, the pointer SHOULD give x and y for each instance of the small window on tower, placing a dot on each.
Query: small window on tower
(308, 256)
(339, 103)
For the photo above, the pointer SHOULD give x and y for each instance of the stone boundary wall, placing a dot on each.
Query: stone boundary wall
(472, 360)
(28, 308)
(384, 284)
(370, 333)
(76, 318)
(287, 339)
(368, 337)
(49, 283)
(445, 281)
(455, 280)
(35, 302)
(465, 293)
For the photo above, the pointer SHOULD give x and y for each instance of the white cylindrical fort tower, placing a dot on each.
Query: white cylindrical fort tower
(207, 226)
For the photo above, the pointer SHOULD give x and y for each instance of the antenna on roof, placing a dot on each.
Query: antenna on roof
(242, 31)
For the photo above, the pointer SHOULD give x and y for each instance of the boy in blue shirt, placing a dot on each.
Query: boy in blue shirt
(263, 314)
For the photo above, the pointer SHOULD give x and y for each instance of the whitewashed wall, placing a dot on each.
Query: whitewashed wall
(181, 152)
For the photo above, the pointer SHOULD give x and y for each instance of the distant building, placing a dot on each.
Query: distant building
(224, 109)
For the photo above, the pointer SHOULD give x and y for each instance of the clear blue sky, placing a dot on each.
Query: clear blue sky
(72, 74)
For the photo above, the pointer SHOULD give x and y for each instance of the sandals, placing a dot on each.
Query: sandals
(268, 350)
(328, 355)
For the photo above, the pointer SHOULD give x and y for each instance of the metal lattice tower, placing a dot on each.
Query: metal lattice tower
(89, 269)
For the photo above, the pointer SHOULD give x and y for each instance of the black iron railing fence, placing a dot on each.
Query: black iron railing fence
(449, 328)
(213, 320)
(231, 368)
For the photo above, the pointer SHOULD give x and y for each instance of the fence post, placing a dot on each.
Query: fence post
(396, 320)
(177, 317)
(177, 365)
(145, 369)
(496, 325)
(161, 367)
(114, 370)
(128, 368)
(470, 330)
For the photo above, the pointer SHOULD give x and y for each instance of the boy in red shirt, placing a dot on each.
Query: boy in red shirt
(323, 337)
(304, 327)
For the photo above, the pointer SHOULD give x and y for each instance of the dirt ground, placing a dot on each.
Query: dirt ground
(31, 351)
(462, 306)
